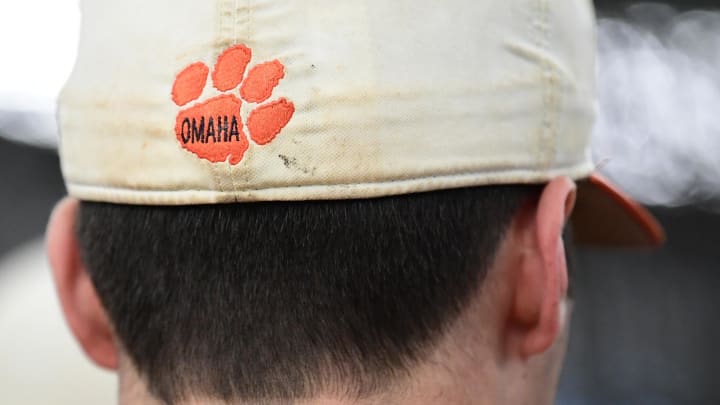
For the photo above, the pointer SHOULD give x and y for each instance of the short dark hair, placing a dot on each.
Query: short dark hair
(284, 300)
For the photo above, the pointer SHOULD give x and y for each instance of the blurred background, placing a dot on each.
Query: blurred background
(646, 327)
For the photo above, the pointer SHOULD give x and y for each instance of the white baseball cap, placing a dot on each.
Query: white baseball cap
(177, 102)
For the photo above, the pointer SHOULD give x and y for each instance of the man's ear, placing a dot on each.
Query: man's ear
(79, 301)
(540, 278)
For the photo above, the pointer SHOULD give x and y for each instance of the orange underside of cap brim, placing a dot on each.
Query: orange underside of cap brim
(606, 217)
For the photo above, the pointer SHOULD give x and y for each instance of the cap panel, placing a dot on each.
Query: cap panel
(573, 38)
(116, 112)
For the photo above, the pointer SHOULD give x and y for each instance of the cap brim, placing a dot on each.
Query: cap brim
(605, 217)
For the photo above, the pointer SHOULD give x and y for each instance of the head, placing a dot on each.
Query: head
(453, 296)
(365, 251)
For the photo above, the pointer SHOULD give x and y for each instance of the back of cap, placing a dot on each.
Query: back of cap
(194, 102)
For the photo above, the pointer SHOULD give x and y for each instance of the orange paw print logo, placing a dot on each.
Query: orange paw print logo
(214, 129)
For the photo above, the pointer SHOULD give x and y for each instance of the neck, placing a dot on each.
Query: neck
(463, 369)
(455, 373)
(429, 388)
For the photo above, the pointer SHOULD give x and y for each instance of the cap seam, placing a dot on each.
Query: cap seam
(225, 36)
(550, 94)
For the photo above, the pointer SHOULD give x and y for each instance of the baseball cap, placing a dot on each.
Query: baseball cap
(178, 102)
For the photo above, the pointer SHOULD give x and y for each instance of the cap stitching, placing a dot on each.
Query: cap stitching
(323, 191)
(230, 169)
(583, 169)
(550, 94)
(226, 33)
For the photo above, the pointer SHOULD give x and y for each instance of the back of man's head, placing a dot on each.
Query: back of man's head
(396, 300)
(330, 202)
(291, 300)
